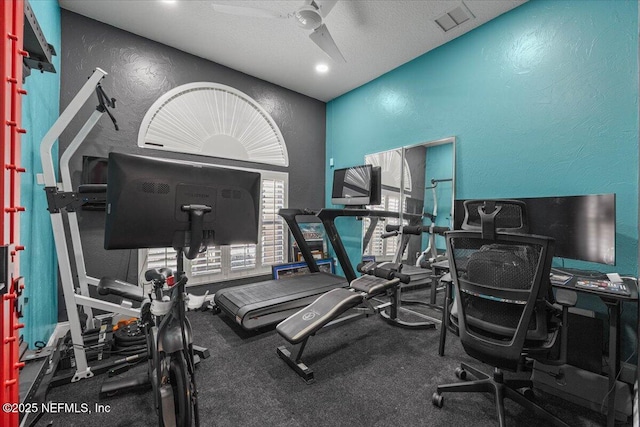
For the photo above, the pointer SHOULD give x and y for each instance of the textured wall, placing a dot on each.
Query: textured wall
(38, 262)
(543, 100)
(140, 71)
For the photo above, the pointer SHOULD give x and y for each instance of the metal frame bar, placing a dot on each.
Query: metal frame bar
(73, 300)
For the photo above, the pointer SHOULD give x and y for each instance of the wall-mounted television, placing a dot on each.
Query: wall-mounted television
(584, 227)
(357, 186)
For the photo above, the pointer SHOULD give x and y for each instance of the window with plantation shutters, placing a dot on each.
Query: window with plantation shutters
(220, 263)
(161, 257)
(274, 232)
(208, 262)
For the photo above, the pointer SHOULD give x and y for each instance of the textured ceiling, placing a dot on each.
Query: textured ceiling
(375, 36)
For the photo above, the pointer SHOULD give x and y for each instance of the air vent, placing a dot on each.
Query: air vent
(454, 17)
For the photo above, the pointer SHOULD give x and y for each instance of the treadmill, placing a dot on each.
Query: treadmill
(264, 303)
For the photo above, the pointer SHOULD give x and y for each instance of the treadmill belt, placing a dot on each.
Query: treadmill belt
(264, 303)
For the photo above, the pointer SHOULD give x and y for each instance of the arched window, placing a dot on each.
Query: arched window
(215, 120)
(219, 121)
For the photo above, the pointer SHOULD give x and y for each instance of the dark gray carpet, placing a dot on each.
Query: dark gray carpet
(368, 373)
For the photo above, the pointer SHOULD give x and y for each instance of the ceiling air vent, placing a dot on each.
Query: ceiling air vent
(454, 17)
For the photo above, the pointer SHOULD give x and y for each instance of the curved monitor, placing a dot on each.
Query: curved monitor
(147, 200)
(584, 226)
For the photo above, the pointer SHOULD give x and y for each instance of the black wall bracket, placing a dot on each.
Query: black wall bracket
(40, 52)
(71, 201)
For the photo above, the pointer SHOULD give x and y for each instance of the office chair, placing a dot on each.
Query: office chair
(511, 217)
(504, 314)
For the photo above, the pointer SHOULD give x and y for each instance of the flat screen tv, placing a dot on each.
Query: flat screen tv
(94, 170)
(148, 202)
(355, 186)
(584, 227)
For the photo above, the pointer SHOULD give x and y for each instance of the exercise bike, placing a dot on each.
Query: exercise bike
(170, 349)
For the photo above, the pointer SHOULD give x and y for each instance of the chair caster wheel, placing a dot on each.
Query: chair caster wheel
(437, 400)
(528, 393)
(461, 373)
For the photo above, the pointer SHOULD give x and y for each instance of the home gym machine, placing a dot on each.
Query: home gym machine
(62, 205)
(417, 230)
(391, 311)
(359, 300)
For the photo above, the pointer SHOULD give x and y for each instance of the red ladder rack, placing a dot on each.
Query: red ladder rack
(11, 53)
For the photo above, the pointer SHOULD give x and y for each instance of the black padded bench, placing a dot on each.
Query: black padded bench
(328, 308)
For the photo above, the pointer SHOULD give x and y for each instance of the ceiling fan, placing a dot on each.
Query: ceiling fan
(308, 17)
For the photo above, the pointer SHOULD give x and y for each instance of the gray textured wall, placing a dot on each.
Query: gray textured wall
(140, 71)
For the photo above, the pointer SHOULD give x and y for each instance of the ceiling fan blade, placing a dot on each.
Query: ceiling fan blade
(323, 39)
(255, 12)
(325, 6)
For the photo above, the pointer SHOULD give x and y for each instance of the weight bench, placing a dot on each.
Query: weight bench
(325, 312)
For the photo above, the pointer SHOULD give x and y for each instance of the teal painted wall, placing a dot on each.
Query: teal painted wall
(38, 262)
(543, 101)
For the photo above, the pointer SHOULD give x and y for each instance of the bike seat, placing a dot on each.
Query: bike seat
(111, 286)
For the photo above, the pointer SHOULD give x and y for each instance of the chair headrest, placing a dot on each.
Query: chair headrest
(495, 215)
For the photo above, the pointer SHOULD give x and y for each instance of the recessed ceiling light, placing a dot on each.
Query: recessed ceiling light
(169, 1)
(322, 68)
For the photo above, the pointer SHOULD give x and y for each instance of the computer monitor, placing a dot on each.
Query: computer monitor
(146, 200)
(353, 186)
(584, 227)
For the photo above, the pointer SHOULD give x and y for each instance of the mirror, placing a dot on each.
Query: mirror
(391, 164)
(419, 182)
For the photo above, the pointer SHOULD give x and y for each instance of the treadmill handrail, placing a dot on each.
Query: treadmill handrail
(290, 216)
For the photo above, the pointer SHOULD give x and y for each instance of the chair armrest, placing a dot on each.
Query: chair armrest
(566, 298)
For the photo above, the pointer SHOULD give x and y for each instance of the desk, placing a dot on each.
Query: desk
(613, 302)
